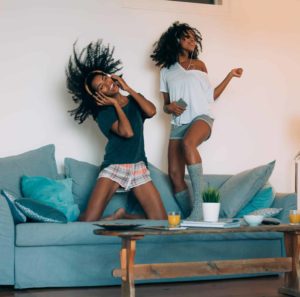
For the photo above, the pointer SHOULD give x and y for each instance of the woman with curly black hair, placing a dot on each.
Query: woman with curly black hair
(95, 88)
(187, 96)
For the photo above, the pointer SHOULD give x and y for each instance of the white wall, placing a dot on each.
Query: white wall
(257, 117)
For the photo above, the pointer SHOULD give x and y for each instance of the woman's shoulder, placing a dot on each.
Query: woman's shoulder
(200, 65)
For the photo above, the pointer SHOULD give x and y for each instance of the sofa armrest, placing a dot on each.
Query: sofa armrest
(287, 201)
(7, 244)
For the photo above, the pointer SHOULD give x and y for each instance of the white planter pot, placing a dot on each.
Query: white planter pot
(211, 212)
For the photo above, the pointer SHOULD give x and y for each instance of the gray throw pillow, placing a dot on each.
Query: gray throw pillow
(239, 189)
(40, 161)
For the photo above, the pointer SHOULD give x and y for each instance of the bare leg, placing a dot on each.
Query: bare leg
(122, 214)
(176, 165)
(197, 133)
(102, 193)
(149, 198)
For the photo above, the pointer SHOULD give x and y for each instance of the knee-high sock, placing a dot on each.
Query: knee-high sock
(197, 179)
(184, 201)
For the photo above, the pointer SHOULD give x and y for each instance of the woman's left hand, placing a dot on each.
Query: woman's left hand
(121, 82)
(236, 72)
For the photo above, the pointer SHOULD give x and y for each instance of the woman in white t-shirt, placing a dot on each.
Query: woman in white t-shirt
(187, 95)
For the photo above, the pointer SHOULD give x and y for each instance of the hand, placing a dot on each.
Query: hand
(121, 82)
(175, 109)
(103, 100)
(236, 72)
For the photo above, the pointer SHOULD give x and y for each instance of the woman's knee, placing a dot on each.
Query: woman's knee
(188, 145)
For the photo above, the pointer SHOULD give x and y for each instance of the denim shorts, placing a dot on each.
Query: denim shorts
(178, 132)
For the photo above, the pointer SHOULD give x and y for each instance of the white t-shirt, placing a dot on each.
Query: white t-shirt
(192, 86)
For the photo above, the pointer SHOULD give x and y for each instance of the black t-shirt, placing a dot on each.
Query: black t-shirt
(121, 150)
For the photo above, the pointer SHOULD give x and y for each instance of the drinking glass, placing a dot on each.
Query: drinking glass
(294, 217)
(174, 219)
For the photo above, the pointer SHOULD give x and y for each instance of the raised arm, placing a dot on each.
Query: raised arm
(146, 106)
(237, 72)
(122, 126)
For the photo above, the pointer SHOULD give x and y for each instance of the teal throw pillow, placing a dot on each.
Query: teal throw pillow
(84, 176)
(54, 193)
(40, 161)
(239, 189)
(17, 214)
(39, 211)
(262, 199)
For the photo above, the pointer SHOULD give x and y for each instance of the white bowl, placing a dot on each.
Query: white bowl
(253, 220)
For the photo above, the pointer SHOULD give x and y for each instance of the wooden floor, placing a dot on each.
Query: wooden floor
(251, 287)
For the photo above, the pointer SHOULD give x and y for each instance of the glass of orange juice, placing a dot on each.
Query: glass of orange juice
(174, 219)
(294, 217)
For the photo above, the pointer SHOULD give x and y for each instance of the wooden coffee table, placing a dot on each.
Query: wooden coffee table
(129, 271)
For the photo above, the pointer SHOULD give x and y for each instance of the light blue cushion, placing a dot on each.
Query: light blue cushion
(39, 211)
(84, 176)
(263, 199)
(239, 189)
(18, 215)
(55, 193)
(40, 161)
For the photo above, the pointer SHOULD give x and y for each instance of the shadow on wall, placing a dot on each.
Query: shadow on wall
(294, 132)
(162, 120)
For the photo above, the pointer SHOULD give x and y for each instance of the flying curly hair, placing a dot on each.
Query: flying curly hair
(95, 58)
(167, 49)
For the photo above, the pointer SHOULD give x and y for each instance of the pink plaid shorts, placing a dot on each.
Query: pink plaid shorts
(127, 175)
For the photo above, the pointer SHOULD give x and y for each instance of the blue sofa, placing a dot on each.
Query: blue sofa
(65, 255)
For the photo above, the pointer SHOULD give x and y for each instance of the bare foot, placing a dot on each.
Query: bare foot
(117, 215)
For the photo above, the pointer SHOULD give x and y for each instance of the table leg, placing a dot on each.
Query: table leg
(127, 265)
(292, 279)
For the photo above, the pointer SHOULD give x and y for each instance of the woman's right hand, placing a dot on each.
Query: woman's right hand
(175, 109)
(103, 100)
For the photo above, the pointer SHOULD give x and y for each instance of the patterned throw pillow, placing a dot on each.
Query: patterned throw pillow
(40, 212)
(267, 212)
(17, 214)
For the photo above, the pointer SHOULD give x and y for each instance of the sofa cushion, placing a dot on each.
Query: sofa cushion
(18, 215)
(40, 161)
(262, 199)
(55, 193)
(82, 233)
(39, 211)
(239, 189)
(84, 176)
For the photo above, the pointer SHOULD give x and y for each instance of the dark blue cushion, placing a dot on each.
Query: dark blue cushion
(40, 212)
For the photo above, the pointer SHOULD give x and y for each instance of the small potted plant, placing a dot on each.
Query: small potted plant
(211, 204)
